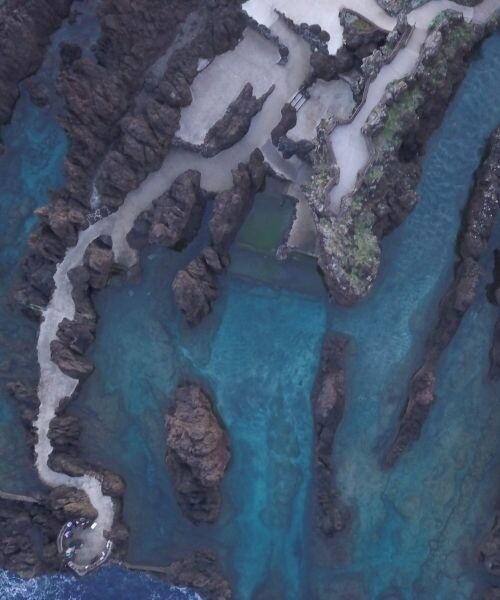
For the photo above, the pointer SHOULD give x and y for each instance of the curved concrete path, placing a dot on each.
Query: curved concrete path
(348, 142)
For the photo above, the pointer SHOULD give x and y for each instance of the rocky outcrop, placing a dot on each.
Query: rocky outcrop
(328, 400)
(232, 206)
(234, 125)
(25, 30)
(28, 533)
(195, 287)
(197, 453)
(70, 503)
(118, 129)
(397, 132)
(477, 224)
(395, 7)
(288, 121)
(75, 337)
(175, 216)
(64, 431)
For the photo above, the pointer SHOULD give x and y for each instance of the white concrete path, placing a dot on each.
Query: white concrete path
(348, 142)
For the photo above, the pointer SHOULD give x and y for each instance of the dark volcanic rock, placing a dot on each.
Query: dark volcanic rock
(99, 260)
(232, 206)
(175, 217)
(235, 124)
(28, 532)
(197, 453)
(328, 409)
(477, 223)
(200, 574)
(64, 431)
(195, 288)
(71, 363)
(25, 30)
(61, 462)
(71, 503)
(288, 121)
(398, 130)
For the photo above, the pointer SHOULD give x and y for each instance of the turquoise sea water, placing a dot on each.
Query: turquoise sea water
(416, 529)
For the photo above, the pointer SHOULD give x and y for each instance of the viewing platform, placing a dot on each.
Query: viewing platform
(76, 543)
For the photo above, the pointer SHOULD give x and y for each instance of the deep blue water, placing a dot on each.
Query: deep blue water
(416, 528)
(110, 582)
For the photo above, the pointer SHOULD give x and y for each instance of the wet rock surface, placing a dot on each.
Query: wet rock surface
(197, 453)
(328, 401)
(477, 224)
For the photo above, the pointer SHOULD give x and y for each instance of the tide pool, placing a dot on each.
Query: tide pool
(257, 354)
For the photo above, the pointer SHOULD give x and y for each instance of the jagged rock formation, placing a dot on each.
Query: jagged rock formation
(234, 125)
(395, 7)
(194, 287)
(288, 121)
(328, 408)
(75, 337)
(477, 224)
(397, 130)
(175, 216)
(118, 130)
(28, 533)
(25, 30)
(197, 453)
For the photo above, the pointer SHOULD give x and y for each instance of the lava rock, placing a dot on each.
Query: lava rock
(197, 453)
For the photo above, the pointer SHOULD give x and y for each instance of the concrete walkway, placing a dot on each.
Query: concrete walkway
(348, 142)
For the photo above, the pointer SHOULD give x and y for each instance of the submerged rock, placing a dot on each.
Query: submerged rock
(328, 401)
(200, 574)
(477, 224)
(197, 453)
